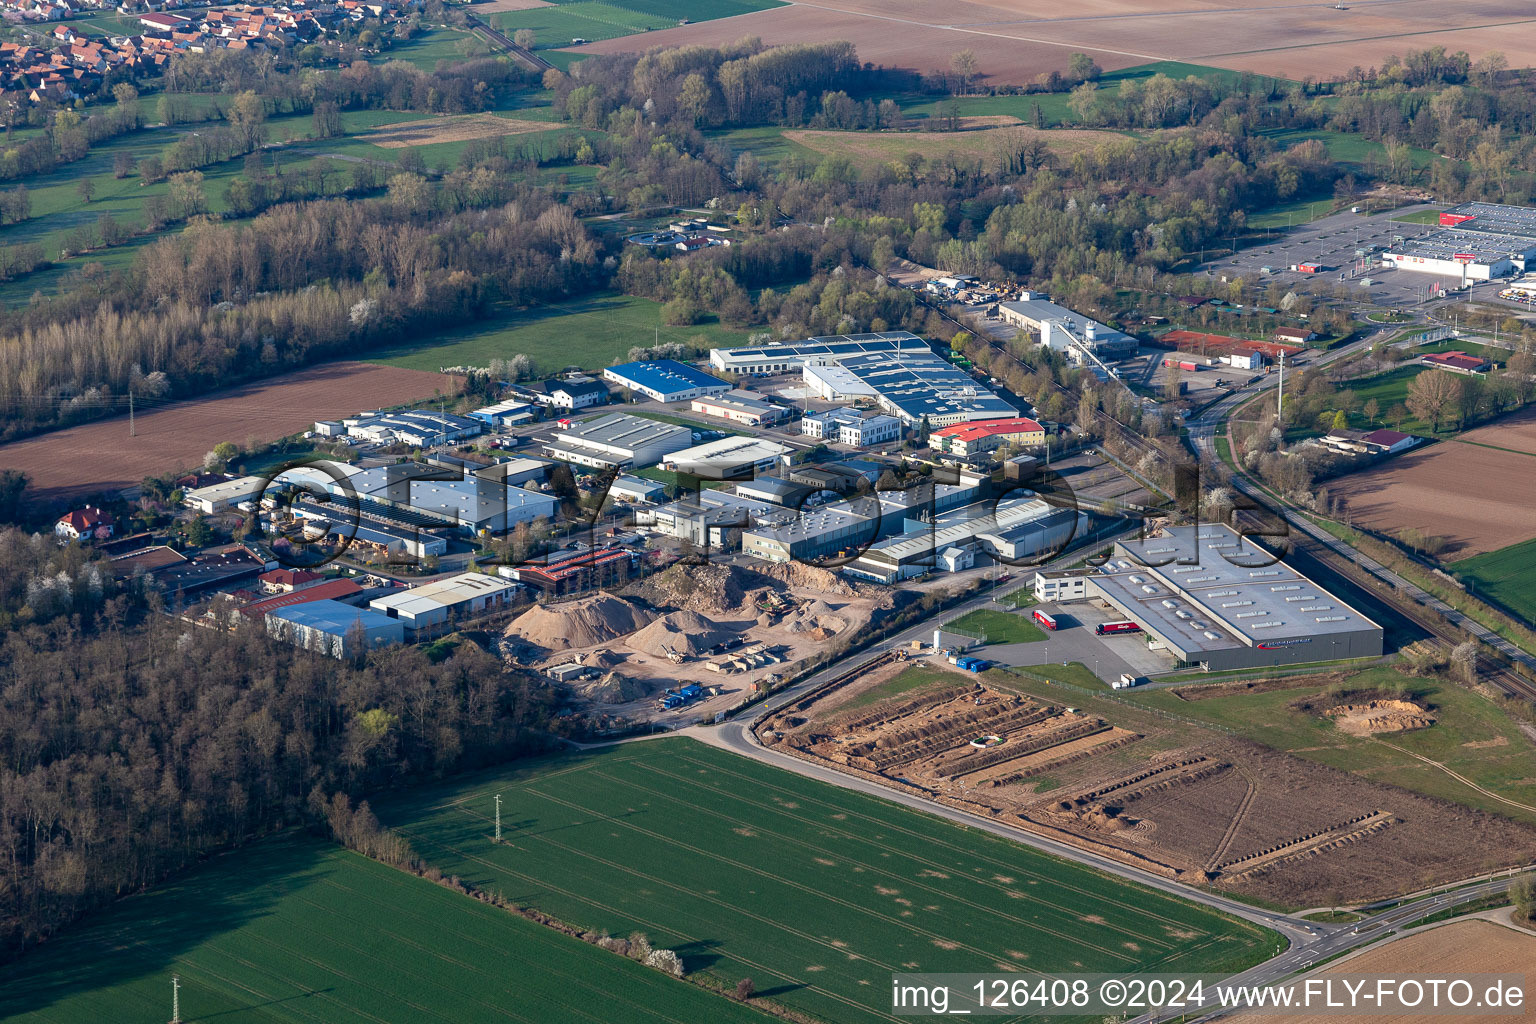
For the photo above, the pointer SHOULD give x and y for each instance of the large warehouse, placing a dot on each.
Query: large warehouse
(913, 388)
(1213, 598)
(1063, 330)
(665, 380)
(1453, 252)
(728, 458)
(1478, 242)
(825, 351)
(618, 441)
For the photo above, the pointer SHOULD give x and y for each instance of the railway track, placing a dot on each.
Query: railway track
(1428, 613)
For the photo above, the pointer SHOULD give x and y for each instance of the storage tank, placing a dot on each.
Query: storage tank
(937, 643)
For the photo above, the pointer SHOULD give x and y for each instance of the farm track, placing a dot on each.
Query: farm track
(1236, 823)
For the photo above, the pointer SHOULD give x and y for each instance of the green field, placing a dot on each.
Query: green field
(590, 332)
(1507, 575)
(292, 929)
(556, 25)
(815, 892)
(907, 679)
(1389, 389)
(999, 627)
(1471, 736)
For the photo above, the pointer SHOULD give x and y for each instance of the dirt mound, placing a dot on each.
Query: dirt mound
(817, 617)
(580, 623)
(686, 632)
(712, 589)
(612, 688)
(1380, 716)
(808, 577)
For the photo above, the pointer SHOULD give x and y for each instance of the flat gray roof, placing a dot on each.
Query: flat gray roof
(1156, 607)
(1487, 246)
(1238, 583)
(623, 431)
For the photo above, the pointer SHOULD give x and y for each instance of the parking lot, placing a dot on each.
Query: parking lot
(1334, 243)
(1074, 640)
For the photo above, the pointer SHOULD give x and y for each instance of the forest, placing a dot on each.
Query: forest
(132, 743)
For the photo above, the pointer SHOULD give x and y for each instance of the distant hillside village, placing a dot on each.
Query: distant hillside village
(78, 63)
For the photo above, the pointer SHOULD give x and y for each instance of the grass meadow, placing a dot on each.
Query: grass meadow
(816, 893)
(1471, 736)
(591, 332)
(291, 929)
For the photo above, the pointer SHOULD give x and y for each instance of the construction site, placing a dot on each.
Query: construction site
(699, 638)
(1190, 802)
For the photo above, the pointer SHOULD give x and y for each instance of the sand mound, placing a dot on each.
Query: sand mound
(580, 623)
(612, 688)
(686, 632)
(1380, 716)
(818, 617)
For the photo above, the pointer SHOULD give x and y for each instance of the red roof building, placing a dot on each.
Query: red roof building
(1458, 362)
(329, 591)
(282, 581)
(986, 435)
(88, 522)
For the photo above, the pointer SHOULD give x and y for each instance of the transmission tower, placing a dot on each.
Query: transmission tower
(498, 817)
(175, 999)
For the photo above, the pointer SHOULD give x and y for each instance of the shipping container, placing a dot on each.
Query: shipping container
(1048, 621)
(1107, 628)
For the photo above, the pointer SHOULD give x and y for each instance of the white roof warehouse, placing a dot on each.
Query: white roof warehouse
(432, 604)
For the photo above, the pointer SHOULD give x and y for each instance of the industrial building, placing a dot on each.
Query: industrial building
(822, 351)
(743, 407)
(325, 590)
(1011, 531)
(574, 573)
(418, 428)
(714, 518)
(774, 491)
(342, 525)
(729, 458)
(1062, 585)
(476, 504)
(1495, 217)
(506, 414)
(916, 389)
(1466, 255)
(430, 605)
(852, 427)
(969, 439)
(571, 394)
(224, 495)
(334, 629)
(1081, 338)
(1211, 597)
(618, 441)
(665, 380)
(856, 520)
(636, 488)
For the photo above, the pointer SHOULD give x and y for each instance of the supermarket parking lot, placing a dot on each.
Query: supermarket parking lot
(1334, 243)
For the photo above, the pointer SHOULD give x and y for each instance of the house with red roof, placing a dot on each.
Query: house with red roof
(90, 523)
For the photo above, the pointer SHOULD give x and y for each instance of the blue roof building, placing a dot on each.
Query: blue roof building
(334, 629)
(665, 380)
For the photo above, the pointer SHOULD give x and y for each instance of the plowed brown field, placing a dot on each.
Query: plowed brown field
(1015, 40)
(1445, 491)
(102, 456)
(1462, 948)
